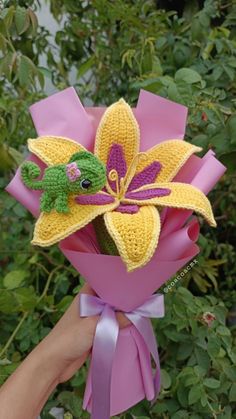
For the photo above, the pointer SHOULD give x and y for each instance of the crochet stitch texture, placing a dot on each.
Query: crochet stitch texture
(83, 174)
(138, 185)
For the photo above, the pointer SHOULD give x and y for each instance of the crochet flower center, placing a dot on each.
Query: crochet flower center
(123, 184)
(128, 187)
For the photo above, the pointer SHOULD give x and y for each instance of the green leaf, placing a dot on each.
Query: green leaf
(186, 295)
(64, 303)
(33, 20)
(184, 351)
(40, 77)
(217, 72)
(193, 379)
(156, 66)
(229, 71)
(202, 358)
(173, 92)
(8, 302)
(21, 20)
(211, 383)
(223, 331)
(71, 402)
(8, 15)
(26, 298)
(7, 63)
(181, 414)
(16, 155)
(201, 140)
(232, 393)
(229, 159)
(24, 71)
(3, 43)
(19, 210)
(182, 395)
(213, 346)
(204, 399)
(231, 129)
(140, 410)
(83, 68)
(220, 141)
(230, 372)
(46, 72)
(14, 279)
(194, 394)
(187, 75)
(165, 379)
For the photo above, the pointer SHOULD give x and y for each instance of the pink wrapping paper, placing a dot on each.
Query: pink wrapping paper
(107, 275)
(159, 119)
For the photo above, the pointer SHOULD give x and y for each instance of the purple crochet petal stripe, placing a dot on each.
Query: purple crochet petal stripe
(116, 160)
(95, 199)
(148, 193)
(127, 208)
(146, 176)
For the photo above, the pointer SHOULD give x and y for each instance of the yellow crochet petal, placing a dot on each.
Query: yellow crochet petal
(172, 155)
(117, 126)
(136, 235)
(54, 150)
(52, 227)
(182, 195)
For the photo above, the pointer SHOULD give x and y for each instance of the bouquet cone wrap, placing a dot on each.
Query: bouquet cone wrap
(159, 119)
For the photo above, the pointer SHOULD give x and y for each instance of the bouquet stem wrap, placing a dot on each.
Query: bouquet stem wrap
(131, 377)
(106, 340)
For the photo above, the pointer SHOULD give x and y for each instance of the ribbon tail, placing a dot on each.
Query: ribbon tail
(102, 360)
(144, 326)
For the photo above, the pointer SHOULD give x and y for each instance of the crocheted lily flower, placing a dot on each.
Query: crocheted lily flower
(138, 186)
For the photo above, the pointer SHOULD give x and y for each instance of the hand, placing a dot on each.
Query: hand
(71, 339)
(54, 360)
(68, 344)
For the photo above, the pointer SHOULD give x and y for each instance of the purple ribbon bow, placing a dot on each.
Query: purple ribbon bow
(105, 340)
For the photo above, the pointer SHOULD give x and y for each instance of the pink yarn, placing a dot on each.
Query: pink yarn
(148, 194)
(127, 208)
(95, 199)
(146, 176)
(72, 171)
(116, 161)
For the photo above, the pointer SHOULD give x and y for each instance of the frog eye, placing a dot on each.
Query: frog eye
(85, 183)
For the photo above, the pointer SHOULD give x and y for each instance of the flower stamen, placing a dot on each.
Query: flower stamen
(131, 170)
(122, 188)
(113, 177)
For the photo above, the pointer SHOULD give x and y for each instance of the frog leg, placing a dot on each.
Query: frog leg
(46, 202)
(61, 204)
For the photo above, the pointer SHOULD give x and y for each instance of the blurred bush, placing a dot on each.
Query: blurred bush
(184, 51)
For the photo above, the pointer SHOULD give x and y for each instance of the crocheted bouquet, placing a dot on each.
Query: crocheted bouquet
(120, 207)
(136, 188)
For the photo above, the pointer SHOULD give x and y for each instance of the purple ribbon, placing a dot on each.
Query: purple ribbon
(105, 340)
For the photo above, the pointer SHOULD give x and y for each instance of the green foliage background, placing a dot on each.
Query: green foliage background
(184, 51)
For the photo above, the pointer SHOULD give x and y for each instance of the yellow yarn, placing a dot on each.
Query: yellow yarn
(118, 125)
(136, 236)
(182, 195)
(172, 155)
(54, 226)
(54, 150)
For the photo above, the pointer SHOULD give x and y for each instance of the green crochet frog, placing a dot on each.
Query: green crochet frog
(83, 174)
